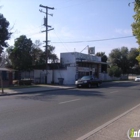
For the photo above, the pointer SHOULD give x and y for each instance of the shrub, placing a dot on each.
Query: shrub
(114, 71)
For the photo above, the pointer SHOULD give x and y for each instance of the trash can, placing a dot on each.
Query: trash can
(60, 81)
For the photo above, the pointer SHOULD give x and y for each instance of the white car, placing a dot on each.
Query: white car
(137, 79)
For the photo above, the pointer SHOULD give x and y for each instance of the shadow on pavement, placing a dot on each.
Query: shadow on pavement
(120, 84)
(49, 96)
(85, 92)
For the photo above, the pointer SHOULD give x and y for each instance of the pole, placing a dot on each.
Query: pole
(2, 90)
(46, 24)
(46, 45)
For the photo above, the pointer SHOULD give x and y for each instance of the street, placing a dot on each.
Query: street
(64, 114)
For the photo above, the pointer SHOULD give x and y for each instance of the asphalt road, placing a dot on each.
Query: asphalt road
(64, 115)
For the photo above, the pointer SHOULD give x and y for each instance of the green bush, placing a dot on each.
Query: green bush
(114, 71)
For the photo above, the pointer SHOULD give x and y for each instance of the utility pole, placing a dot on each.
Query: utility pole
(47, 29)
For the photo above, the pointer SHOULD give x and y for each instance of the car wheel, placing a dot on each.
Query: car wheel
(77, 86)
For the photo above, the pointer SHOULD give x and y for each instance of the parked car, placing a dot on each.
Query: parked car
(88, 81)
(137, 79)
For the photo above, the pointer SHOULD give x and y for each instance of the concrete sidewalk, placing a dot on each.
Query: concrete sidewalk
(119, 128)
(35, 89)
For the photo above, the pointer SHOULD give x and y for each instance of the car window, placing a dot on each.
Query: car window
(86, 78)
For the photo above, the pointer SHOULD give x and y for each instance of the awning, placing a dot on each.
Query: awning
(7, 69)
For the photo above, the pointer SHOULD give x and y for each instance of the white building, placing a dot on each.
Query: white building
(73, 66)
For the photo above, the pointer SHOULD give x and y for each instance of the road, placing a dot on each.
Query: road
(66, 114)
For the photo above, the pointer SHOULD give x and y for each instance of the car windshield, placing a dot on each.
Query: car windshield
(86, 78)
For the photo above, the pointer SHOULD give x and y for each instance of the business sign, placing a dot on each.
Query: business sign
(84, 69)
(91, 50)
(84, 57)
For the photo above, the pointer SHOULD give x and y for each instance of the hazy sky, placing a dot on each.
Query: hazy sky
(73, 20)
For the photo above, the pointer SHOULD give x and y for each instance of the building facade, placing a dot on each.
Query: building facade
(85, 64)
(6, 77)
(73, 65)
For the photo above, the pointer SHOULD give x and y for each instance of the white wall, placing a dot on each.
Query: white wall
(68, 58)
(49, 76)
(39, 76)
(27, 74)
(68, 75)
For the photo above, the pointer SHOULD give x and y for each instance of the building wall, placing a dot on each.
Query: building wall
(87, 57)
(67, 58)
(39, 75)
(27, 74)
(68, 75)
(7, 78)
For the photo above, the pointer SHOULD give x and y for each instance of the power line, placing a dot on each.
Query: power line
(96, 40)
(60, 41)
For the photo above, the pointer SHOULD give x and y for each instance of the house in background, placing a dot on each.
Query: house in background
(7, 76)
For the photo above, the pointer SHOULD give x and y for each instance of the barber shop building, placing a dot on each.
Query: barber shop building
(72, 66)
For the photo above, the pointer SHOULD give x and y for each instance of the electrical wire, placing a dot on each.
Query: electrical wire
(96, 40)
(60, 41)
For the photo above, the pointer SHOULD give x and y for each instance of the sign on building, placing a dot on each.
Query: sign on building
(91, 50)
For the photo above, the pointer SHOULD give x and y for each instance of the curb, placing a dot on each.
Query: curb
(32, 92)
(105, 125)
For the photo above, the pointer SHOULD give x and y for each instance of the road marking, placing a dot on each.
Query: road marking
(113, 91)
(69, 101)
(91, 133)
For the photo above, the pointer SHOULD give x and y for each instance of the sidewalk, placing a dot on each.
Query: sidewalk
(38, 88)
(119, 128)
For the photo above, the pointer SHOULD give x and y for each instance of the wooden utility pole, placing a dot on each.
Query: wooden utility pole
(47, 29)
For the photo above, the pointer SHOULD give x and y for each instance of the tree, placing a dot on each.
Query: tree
(133, 53)
(103, 59)
(4, 32)
(52, 58)
(119, 57)
(102, 55)
(114, 71)
(4, 36)
(135, 25)
(36, 53)
(20, 53)
(25, 55)
(3, 59)
(138, 56)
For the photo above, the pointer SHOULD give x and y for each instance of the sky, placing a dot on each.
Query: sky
(73, 20)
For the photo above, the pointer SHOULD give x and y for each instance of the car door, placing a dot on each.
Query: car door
(92, 81)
